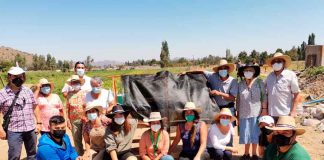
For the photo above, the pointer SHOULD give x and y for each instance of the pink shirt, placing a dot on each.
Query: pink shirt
(49, 107)
(146, 145)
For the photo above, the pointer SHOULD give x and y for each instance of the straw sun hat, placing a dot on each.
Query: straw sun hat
(154, 116)
(224, 111)
(287, 123)
(224, 62)
(279, 55)
(191, 106)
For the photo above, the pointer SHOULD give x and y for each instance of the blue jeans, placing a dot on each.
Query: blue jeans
(219, 154)
(15, 140)
(167, 157)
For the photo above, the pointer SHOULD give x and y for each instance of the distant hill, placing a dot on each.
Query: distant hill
(8, 54)
(106, 63)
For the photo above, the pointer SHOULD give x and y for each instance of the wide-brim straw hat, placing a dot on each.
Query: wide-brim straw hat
(279, 55)
(223, 62)
(44, 81)
(256, 69)
(224, 111)
(117, 109)
(73, 78)
(154, 116)
(93, 104)
(191, 106)
(287, 123)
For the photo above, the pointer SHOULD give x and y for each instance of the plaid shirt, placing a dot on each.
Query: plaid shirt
(22, 117)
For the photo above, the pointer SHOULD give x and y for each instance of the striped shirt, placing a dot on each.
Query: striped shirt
(22, 117)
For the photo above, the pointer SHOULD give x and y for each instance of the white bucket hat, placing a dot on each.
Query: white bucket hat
(16, 71)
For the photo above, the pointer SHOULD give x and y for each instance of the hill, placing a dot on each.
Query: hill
(8, 54)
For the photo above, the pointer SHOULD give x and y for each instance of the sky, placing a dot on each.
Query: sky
(126, 30)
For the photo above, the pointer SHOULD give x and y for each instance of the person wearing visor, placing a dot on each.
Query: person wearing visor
(104, 97)
(94, 132)
(49, 104)
(284, 144)
(193, 134)
(79, 69)
(75, 114)
(155, 142)
(220, 136)
(282, 87)
(56, 144)
(251, 103)
(119, 135)
(265, 137)
(18, 106)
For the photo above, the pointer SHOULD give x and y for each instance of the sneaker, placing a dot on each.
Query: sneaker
(245, 157)
(255, 157)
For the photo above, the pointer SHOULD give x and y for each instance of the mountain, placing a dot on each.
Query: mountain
(8, 54)
(106, 63)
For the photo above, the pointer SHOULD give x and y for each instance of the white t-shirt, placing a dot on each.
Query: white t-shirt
(85, 87)
(105, 97)
(216, 139)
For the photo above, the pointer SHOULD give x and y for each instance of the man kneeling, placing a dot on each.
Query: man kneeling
(56, 144)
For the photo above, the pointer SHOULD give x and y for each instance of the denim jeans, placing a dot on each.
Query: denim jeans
(219, 154)
(15, 140)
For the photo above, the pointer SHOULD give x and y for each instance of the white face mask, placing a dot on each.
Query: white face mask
(248, 74)
(120, 120)
(155, 127)
(76, 87)
(80, 72)
(277, 66)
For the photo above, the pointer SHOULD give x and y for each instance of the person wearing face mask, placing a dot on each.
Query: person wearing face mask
(18, 107)
(284, 145)
(119, 135)
(101, 95)
(154, 143)
(282, 87)
(56, 144)
(220, 135)
(49, 104)
(79, 69)
(94, 132)
(193, 134)
(265, 137)
(251, 103)
(75, 114)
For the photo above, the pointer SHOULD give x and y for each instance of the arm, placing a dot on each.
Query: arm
(296, 101)
(176, 140)
(142, 148)
(111, 145)
(203, 139)
(264, 103)
(38, 119)
(87, 145)
(47, 153)
(166, 144)
(61, 108)
(295, 90)
(113, 155)
(68, 122)
(111, 102)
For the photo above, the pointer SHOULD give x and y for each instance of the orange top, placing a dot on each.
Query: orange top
(146, 145)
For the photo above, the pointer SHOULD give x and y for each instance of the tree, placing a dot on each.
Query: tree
(59, 64)
(41, 62)
(303, 50)
(229, 56)
(165, 55)
(255, 56)
(242, 56)
(20, 59)
(35, 62)
(293, 54)
(311, 39)
(88, 62)
(279, 50)
(48, 61)
(263, 57)
(66, 66)
(299, 53)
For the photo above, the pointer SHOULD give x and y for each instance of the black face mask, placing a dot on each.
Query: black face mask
(281, 140)
(58, 133)
(266, 131)
(17, 82)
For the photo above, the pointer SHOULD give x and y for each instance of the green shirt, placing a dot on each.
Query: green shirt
(296, 152)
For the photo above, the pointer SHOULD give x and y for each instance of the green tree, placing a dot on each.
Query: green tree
(165, 55)
(263, 57)
(293, 54)
(303, 50)
(255, 56)
(279, 50)
(311, 39)
(229, 56)
(20, 59)
(59, 64)
(88, 62)
(242, 56)
(66, 66)
(41, 62)
(35, 62)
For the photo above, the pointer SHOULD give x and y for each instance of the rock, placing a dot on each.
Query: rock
(320, 127)
(319, 113)
(311, 122)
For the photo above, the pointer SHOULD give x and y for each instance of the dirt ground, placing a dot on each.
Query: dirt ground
(311, 140)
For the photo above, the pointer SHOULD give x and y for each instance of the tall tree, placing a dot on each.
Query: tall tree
(88, 62)
(165, 55)
(242, 56)
(255, 56)
(48, 61)
(229, 56)
(60, 64)
(263, 57)
(41, 62)
(311, 39)
(293, 54)
(21, 60)
(303, 50)
(279, 50)
(35, 62)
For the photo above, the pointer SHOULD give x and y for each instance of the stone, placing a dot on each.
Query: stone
(311, 122)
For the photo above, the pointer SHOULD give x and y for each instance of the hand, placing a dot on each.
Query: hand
(3, 135)
(293, 113)
(69, 125)
(234, 150)
(38, 128)
(215, 92)
(196, 158)
(80, 158)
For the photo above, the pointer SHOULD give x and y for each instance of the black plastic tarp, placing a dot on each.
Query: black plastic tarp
(167, 93)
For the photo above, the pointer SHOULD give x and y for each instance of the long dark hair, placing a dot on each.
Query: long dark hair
(193, 128)
(117, 128)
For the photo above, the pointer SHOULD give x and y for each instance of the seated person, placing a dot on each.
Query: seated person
(154, 143)
(220, 135)
(56, 145)
(193, 134)
(94, 131)
(266, 134)
(284, 144)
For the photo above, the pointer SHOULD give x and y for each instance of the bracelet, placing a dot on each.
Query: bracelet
(264, 108)
(39, 123)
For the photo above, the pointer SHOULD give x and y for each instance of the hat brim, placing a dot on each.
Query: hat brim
(99, 108)
(198, 110)
(241, 71)
(111, 115)
(231, 67)
(299, 131)
(217, 117)
(147, 120)
(284, 57)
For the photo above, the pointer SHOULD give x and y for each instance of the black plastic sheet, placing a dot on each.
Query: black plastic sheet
(167, 93)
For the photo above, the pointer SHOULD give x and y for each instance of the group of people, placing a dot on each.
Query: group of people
(263, 110)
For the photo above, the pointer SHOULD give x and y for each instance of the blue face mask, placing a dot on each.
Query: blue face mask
(223, 73)
(46, 90)
(92, 116)
(96, 90)
(224, 122)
